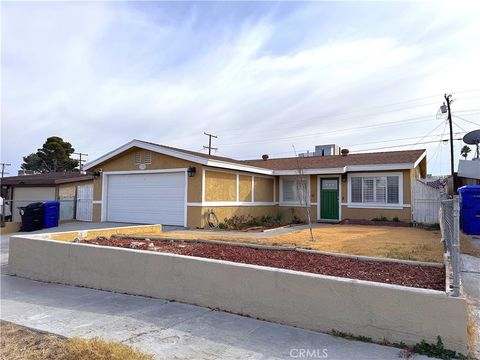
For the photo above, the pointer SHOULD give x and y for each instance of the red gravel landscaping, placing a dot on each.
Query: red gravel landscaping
(428, 277)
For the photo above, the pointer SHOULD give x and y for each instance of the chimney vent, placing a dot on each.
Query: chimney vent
(265, 157)
(345, 152)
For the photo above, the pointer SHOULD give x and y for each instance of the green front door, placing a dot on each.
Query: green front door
(329, 199)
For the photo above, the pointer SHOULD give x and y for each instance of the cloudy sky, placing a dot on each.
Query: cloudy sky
(261, 76)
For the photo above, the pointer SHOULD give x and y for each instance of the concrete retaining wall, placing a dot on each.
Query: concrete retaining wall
(309, 301)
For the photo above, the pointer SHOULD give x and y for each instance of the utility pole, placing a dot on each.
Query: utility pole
(209, 147)
(3, 168)
(448, 99)
(81, 161)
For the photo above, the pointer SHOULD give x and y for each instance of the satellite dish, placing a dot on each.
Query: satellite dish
(473, 138)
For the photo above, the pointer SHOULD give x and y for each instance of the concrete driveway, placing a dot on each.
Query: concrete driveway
(166, 329)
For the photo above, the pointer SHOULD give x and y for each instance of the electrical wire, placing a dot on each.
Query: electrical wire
(471, 122)
(400, 122)
(395, 146)
(435, 128)
(456, 124)
(439, 144)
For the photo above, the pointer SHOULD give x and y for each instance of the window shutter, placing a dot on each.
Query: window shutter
(356, 189)
(393, 190)
(381, 190)
(368, 190)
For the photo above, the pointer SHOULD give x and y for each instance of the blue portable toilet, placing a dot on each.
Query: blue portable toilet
(52, 214)
(470, 209)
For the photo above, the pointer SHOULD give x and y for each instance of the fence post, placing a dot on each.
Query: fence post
(455, 251)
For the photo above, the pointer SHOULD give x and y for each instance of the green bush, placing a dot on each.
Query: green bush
(380, 218)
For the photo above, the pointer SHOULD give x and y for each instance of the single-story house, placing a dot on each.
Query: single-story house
(73, 189)
(144, 182)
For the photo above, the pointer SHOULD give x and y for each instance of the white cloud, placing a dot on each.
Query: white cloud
(100, 74)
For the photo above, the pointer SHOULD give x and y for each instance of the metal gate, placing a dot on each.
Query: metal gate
(84, 203)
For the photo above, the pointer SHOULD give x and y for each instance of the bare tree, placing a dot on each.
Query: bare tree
(303, 193)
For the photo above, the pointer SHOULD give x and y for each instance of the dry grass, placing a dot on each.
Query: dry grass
(467, 246)
(376, 241)
(20, 343)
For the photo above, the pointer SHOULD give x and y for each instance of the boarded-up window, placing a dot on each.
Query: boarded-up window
(294, 190)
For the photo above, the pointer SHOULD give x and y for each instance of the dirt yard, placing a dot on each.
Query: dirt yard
(469, 246)
(376, 241)
(21, 343)
(428, 277)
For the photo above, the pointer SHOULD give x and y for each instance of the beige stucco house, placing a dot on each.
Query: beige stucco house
(72, 189)
(143, 182)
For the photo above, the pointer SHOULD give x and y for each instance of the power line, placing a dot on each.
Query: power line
(367, 143)
(471, 122)
(423, 137)
(456, 124)
(395, 146)
(209, 147)
(404, 121)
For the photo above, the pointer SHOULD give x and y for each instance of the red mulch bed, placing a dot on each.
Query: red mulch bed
(428, 277)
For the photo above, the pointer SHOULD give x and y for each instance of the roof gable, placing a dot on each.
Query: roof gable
(393, 160)
(196, 157)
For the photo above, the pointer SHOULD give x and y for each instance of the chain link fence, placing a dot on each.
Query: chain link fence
(450, 227)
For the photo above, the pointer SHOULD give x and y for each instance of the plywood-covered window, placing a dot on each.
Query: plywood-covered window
(294, 190)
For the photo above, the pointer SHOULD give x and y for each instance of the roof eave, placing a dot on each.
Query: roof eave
(345, 169)
(178, 154)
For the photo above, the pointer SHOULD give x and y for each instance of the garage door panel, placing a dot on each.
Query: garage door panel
(147, 198)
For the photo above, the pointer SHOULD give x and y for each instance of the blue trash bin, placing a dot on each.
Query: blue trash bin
(470, 209)
(52, 214)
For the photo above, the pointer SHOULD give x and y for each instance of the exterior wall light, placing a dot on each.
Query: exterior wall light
(97, 173)
(191, 171)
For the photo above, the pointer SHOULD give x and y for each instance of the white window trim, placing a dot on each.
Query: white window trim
(294, 203)
(353, 205)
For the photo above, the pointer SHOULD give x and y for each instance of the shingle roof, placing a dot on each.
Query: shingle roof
(46, 179)
(196, 153)
(279, 164)
(334, 161)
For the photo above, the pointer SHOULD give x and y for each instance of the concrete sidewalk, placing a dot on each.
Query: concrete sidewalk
(166, 329)
(470, 272)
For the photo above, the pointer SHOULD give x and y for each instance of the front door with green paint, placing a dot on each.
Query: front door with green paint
(329, 199)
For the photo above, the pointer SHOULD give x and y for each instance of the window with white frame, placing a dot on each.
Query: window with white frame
(294, 190)
(375, 189)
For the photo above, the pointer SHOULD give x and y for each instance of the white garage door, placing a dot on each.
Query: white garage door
(147, 198)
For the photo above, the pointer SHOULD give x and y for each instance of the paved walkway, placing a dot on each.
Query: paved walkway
(264, 234)
(166, 329)
(470, 267)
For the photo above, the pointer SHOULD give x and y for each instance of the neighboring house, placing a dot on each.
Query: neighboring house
(143, 182)
(64, 187)
(468, 172)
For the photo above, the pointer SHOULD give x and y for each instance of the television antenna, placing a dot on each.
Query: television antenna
(473, 138)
